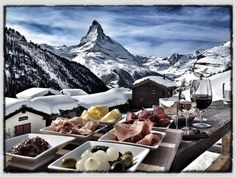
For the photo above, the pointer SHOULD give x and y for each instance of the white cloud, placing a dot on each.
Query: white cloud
(171, 30)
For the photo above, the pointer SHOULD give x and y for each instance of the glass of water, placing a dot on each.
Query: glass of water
(171, 106)
(227, 93)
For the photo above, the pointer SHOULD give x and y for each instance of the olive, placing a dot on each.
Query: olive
(128, 153)
(128, 160)
(117, 166)
(69, 163)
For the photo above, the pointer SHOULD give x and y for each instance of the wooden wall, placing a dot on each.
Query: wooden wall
(148, 94)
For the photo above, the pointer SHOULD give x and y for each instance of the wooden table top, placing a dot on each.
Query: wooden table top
(218, 115)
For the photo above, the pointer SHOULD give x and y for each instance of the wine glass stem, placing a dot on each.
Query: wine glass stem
(201, 117)
(187, 116)
(177, 115)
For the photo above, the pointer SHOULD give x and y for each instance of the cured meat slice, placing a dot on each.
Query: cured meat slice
(144, 114)
(132, 132)
(125, 131)
(150, 139)
(73, 126)
(130, 118)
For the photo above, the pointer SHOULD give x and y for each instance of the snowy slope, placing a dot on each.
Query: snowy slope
(208, 62)
(214, 60)
(27, 65)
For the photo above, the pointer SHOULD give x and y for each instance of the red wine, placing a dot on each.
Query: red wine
(203, 101)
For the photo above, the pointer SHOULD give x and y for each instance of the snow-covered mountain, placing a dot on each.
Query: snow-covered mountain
(106, 58)
(209, 62)
(214, 60)
(173, 66)
(28, 65)
(116, 67)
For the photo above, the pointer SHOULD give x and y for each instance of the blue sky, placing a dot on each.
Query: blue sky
(143, 30)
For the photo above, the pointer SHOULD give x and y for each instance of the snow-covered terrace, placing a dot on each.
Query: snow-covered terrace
(57, 102)
(73, 92)
(112, 97)
(52, 104)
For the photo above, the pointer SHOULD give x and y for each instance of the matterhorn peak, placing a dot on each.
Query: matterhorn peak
(94, 34)
(96, 27)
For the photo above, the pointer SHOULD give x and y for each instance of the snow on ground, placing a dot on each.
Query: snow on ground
(57, 102)
(73, 92)
(112, 97)
(14, 104)
(216, 84)
(160, 80)
(202, 162)
(36, 92)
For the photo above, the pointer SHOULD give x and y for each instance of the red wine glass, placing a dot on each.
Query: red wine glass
(201, 94)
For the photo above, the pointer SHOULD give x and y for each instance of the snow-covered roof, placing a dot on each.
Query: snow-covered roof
(158, 79)
(57, 102)
(14, 104)
(36, 92)
(73, 92)
(112, 97)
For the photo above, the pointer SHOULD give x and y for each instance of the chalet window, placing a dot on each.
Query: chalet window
(23, 118)
(22, 129)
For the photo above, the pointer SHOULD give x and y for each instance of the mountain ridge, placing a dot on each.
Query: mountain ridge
(28, 65)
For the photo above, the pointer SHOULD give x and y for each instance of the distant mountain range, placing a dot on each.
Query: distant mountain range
(109, 64)
(28, 65)
(115, 66)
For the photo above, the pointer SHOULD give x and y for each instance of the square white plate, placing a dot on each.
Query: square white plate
(29, 165)
(55, 142)
(139, 153)
(47, 130)
(106, 138)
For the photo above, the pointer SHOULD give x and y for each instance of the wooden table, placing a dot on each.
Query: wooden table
(218, 115)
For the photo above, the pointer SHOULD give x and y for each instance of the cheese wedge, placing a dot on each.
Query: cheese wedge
(112, 116)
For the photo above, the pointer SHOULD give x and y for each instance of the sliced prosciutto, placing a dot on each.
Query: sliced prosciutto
(124, 131)
(150, 139)
(131, 132)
